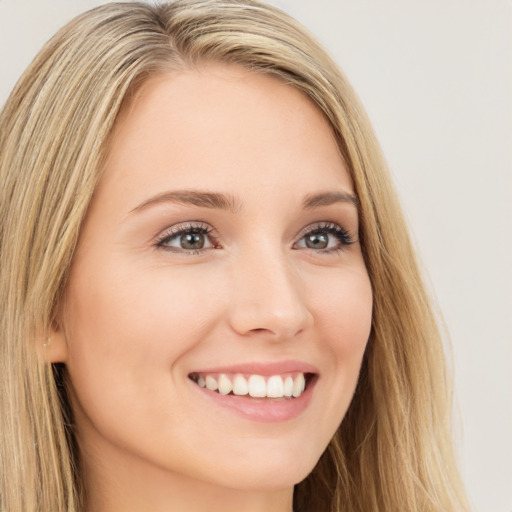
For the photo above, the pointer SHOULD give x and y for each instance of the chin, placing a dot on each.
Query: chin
(269, 473)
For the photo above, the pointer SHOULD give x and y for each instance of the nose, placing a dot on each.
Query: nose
(268, 299)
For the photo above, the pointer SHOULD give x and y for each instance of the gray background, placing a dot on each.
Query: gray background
(436, 79)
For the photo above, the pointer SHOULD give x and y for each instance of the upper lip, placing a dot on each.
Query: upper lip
(265, 369)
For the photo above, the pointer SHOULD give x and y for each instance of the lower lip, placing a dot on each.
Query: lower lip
(268, 410)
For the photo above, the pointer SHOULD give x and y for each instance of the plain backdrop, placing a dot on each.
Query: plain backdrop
(436, 79)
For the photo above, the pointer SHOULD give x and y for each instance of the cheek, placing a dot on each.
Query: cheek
(127, 334)
(128, 329)
(117, 311)
(344, 311)
(344, 317)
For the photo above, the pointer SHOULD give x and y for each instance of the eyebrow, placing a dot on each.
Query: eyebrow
(228, 202)
(328, 198)
(195, 198)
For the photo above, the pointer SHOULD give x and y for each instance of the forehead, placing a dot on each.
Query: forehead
(222, 127)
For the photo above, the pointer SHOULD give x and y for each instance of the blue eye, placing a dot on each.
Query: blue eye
(325, 237)
(189, 238)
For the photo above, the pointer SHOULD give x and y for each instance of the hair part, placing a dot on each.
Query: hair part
(393, 450)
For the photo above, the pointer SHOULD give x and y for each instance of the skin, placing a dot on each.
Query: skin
(139, 317)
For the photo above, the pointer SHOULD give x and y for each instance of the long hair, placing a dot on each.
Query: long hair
(393, 450)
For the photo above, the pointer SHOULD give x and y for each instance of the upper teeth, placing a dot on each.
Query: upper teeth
(276, 386)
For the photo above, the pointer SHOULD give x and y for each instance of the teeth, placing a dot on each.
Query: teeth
(275, 387)
(299, 385)
(255, 386)
(211, 383)
(240, 386)
(225, 386)
(288, 386)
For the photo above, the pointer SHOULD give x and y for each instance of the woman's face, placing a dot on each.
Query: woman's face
(220, 249)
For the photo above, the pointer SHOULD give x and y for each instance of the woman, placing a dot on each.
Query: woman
(210, 298)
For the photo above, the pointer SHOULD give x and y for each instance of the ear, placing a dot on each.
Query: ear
(55, 346)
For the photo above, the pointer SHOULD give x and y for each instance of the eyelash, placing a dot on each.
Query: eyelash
(181, 229)
(344, 237)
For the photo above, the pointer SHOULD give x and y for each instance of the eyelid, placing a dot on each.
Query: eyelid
(323, 225)
(183, 227)
(345, 236)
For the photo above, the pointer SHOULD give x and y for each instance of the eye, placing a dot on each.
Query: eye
(325, 237)
(189, 238)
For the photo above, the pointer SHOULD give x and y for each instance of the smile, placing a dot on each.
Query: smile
(286, 386)
(268, 392)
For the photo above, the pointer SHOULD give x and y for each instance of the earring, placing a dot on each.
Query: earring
(46, 343)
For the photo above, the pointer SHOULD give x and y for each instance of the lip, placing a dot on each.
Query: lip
(267, 410)
(263, 369)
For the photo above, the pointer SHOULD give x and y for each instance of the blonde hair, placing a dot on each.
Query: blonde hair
(393, 450)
